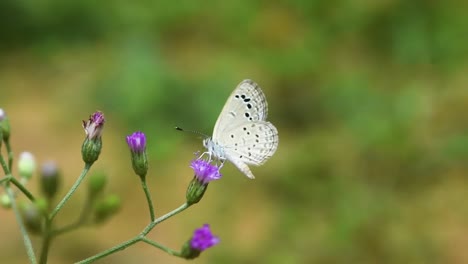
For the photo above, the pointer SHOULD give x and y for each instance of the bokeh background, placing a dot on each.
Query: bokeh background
(369, 97)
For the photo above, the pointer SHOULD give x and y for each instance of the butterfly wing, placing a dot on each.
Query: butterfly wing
(246, 103)
(242, 130)
(250, 144)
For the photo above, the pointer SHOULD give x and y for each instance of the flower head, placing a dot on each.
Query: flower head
(137, 142)
(203, 238)
(93, 127)
(92, 144)
(204, 171)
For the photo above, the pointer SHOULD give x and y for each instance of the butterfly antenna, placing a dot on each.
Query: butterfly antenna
(191, 131)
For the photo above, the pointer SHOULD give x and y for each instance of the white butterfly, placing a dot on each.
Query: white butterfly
(241, 134)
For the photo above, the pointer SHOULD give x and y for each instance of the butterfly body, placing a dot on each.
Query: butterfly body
(241, 134)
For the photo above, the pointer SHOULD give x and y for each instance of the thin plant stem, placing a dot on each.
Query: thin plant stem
(24, 232)
(4, 165)
(70, 192)
(171, 213)
(148, 198)
(163, 248)
(10, 154)
(46, 240)
(5, 179)
(112, 250)
(138, 238)
(81, 220)
(23, 189)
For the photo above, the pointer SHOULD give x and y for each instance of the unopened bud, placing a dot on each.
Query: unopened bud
(50, 179)
(26, 165)
(4, 126)
(97, 182)
(32, 217)
(5, 201)
(107, 207)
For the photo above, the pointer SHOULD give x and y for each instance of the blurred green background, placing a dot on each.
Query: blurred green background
(369, 97)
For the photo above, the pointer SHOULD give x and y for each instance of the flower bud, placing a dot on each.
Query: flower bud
(4, 126)
(96, 183)
(33, 219)
(201, 240)
(50, 179)
(26, 165)
(92, 144)
(5, 201)
(137, 144)
(106, 207)
(204, 173)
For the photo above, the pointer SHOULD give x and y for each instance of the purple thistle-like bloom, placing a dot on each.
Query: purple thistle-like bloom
(93, 127)
(137, 142)
(204, 171)
(203, 238)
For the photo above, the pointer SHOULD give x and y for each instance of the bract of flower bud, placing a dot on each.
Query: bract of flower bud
(26, 165)
(4, 126)
(50, 179)
(90, 150)
(195, 191)
(106, 207)
(96, 183)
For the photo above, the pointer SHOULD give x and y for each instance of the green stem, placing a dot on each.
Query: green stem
(4, 165)
(112, 250)
(22, 189)
(26, 239)
(10, 154)
(46, 240)
(151, 225)
(148, 198)
(163, 248)
(70, 192)
(81, 220)
(171, 213)
(140, 237)
(5, 179)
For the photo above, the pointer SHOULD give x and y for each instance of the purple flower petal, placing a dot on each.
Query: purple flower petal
(137, 142)
(203, 238)
(204, 171)
(93, 127)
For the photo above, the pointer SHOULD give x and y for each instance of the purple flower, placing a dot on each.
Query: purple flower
(93, 127)
(203, 238)
(137, 142)
(204, 171)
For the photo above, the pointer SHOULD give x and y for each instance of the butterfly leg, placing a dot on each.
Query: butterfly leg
(222, 163)
(203, 154)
